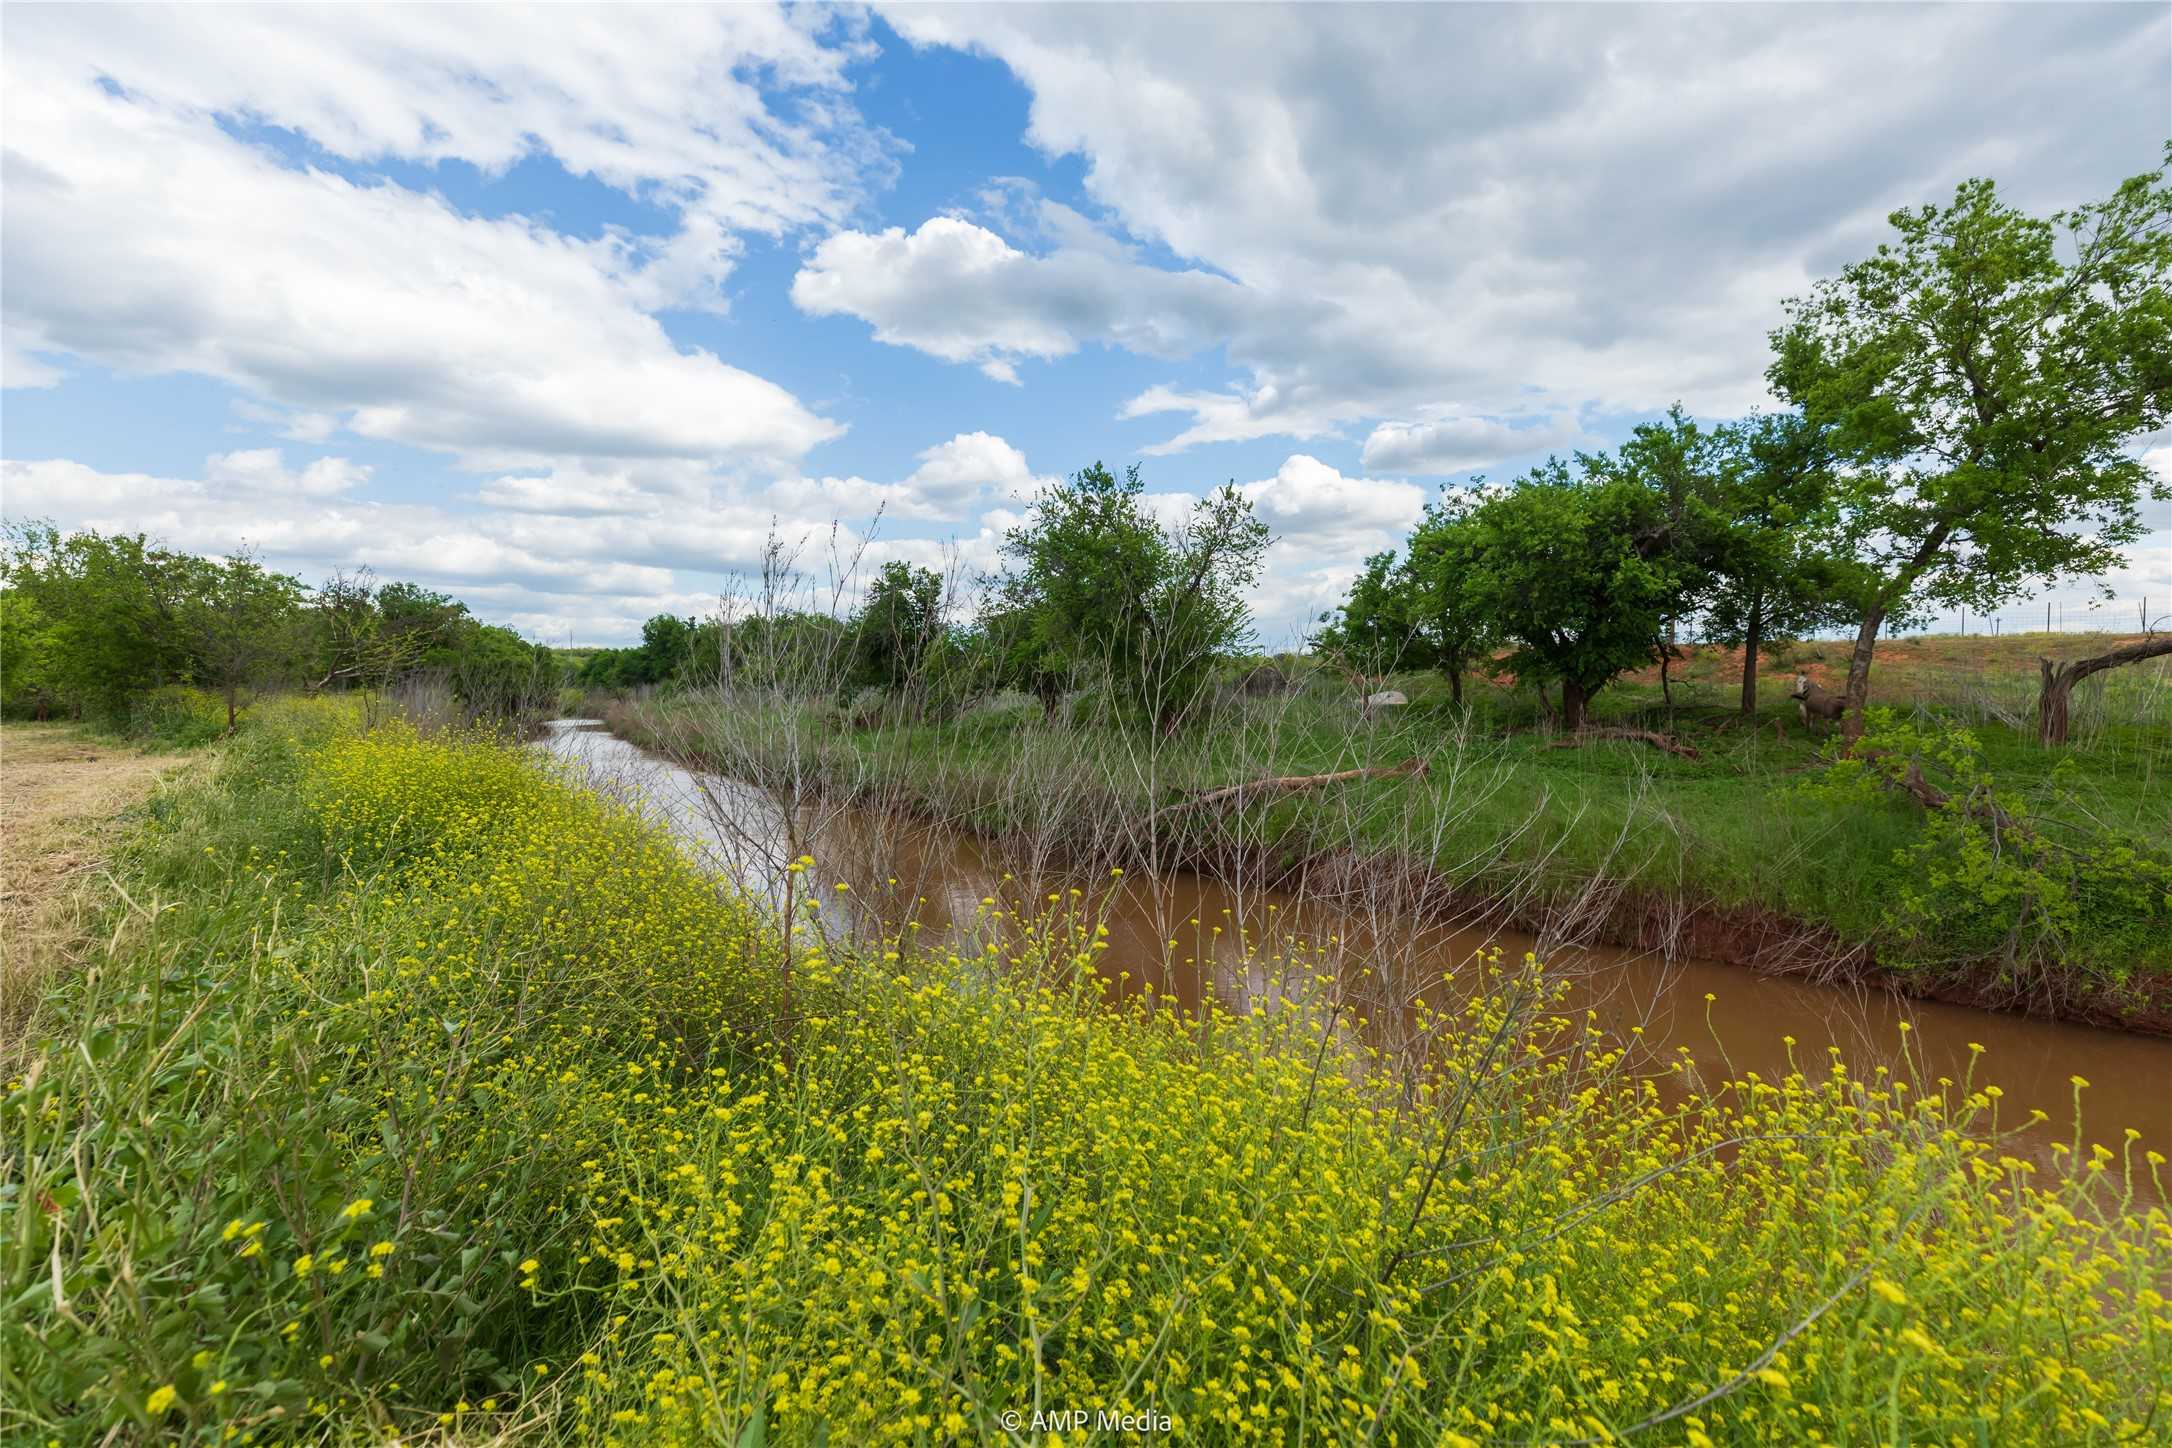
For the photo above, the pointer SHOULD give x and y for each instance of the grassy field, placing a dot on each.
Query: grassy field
(414, 1092)
(1507, 814)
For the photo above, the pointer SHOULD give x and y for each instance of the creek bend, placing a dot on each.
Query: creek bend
(1184, 934)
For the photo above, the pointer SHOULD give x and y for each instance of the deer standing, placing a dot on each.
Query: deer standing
(1815, 702)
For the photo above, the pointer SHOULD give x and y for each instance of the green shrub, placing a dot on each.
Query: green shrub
(1994, 873)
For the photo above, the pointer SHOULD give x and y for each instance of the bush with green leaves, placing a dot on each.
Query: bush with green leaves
(1995, 874)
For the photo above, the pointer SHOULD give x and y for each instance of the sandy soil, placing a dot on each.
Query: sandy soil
(61, 791)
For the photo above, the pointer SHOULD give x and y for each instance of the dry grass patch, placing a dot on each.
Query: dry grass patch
(61, 789)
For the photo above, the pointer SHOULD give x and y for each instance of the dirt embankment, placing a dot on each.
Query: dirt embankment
(62, 792)
(1682, 927)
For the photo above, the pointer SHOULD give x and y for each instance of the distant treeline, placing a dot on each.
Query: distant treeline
(107, 627)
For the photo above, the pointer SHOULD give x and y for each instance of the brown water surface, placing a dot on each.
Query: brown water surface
(1186, 936)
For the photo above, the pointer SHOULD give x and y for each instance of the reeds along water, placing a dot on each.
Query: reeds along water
(1382, 947)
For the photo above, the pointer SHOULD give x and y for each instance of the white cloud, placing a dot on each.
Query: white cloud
(954, 480)
(1452, 210)
(665, 103)
(1324, 525)
(141, 235)
(953, 471)
(1460, 444)
(958, 291)
(264, 471)
(225, 509)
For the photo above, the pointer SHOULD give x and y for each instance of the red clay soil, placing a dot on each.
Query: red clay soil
(1903, 666)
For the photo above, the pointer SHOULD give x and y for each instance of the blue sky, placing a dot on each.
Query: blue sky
(566, 312)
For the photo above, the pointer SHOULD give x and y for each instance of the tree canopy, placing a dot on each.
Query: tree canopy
(1982, 374)
(1097, 589)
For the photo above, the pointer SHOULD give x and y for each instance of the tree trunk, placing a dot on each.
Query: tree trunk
(230, 709)
(1455, 686)
(1572, 705)
(1666, 684)
(1545, 703)
(1753, 636)
(2058, 687)
(1858, 694)
(2059, 681)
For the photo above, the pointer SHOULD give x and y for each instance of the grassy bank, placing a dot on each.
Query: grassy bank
(418, 1092)
(1740, 826)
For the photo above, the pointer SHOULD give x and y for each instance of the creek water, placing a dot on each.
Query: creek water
(1190, 937)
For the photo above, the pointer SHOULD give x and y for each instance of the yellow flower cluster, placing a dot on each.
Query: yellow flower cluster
(926, 1185)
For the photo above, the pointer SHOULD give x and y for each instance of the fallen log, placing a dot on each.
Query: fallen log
(1663, 742)
(1290, 784)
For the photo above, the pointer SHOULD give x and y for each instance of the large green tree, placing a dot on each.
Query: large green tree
(110, 607)
(1578, 572)
(367, 636)
(240, 624)
(1984, 373)
(897, 630)
(1095, 585)
(1771, 576)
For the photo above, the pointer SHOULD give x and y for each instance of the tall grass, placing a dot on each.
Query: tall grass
(419, 1090)
(1572, 843)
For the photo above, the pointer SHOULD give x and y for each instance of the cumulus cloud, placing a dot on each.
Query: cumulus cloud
(264, 471)
(954, 480)
(144, 234)
(954, 471)
(957, 290)
(1461, 444)
(666, 103)
(1324, 525)
(1456, 207)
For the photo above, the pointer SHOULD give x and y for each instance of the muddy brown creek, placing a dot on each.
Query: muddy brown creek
(1185, 936)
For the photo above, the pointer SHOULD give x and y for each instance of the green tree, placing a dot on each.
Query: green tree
(368, 636)
(1772, 579)
(110, 606)
(1455, 630)
(667, 644)
(899, 629)
(1578, 573)
(1094, 585)
(1984, 374)
(29, 655)
(422, 624)
(1376, 632)
(497, 674)
(240, 625)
